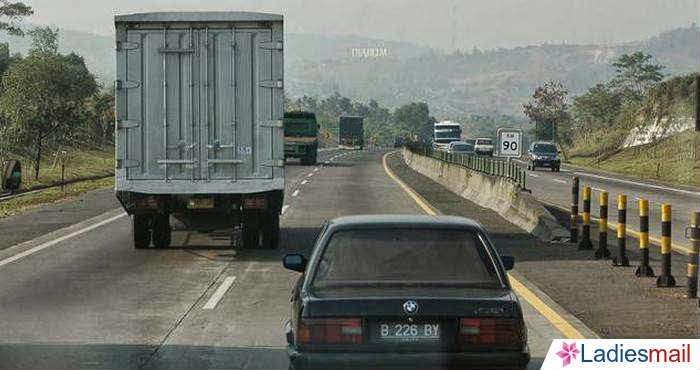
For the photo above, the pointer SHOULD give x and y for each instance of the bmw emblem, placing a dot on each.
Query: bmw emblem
(410, 307)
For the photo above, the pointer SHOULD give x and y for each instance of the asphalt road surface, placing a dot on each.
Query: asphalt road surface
(82, 297)
(555, 188)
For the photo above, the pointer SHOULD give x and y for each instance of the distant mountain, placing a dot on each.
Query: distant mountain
(454, 85)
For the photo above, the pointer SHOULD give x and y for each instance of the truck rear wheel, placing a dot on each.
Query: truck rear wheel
(251, 232)
(140, 230)
(271, 231)
(161, 231)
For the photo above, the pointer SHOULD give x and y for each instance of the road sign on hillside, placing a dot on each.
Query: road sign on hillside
(510, 142)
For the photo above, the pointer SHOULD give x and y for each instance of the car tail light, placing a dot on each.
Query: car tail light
(255, 203)
(330, 331)
(498, 331)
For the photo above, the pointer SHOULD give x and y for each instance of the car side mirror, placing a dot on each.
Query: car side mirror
(508, 262)
(294, 262)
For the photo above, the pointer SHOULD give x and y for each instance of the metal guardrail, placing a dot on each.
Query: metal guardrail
(486, 165)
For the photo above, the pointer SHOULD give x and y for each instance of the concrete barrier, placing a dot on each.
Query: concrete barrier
(502, 196)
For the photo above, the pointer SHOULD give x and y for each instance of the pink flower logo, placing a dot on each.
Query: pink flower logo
(568, 352)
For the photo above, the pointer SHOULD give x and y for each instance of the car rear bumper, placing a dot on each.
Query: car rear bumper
(431, 360)
(553, 163)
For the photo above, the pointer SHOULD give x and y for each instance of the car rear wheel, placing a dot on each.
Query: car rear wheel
(140, 229)
(162, 232)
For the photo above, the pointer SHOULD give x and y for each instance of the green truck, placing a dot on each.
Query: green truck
(301, 136)
(351, 132)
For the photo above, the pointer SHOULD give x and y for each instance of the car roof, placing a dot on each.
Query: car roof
(403, 221)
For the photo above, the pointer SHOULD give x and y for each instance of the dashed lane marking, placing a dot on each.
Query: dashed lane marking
(285, 208)
(51, 243)
(219, 293)
(295, 193)
(533, 175)
(559, 181)
(304, 182)
(552, 316)
(310, 174)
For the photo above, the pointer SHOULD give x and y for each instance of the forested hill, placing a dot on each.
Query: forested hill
(394, 73)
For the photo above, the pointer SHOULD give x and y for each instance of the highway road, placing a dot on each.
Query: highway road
(555, 188)
(82, 297)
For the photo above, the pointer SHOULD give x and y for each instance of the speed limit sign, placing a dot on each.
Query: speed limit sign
(510, 142)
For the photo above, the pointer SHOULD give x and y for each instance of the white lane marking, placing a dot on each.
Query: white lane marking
(39, 247)
(284, 208)
(316, 169)
(564, 170)
(559, 181)
(304, 182)
(219, 293)
(326, 162)
(310, 174)
(659, 187)
(295, 193)
(533, 175)
(597, 189)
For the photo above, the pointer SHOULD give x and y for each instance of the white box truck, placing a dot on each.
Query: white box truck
(199, 133)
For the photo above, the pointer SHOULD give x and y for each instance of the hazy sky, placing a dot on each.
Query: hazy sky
(444, 24)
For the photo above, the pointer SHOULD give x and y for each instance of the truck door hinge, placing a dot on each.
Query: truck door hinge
(127, 45)
(127, 84)
(272, 45)
(273, 163)
(127, 163)
(125, 124)
(272, 84)
(275, 123)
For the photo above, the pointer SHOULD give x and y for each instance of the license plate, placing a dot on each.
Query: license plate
(200, 203)
(409, 332)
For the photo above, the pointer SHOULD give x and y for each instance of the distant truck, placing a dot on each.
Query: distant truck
(199, 130)
(301, 136)
(444, 133)
(351, 132)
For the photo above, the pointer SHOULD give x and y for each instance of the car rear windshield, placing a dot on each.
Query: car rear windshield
(405, 257)
(545, 148)
(484, 142)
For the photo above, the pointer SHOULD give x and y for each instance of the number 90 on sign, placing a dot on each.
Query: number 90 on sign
(509, 143)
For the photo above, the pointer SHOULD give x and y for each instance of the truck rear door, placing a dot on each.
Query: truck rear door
(199, 103)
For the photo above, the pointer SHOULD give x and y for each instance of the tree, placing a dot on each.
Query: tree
(11, 12)
(43, 97)
(414, 118)
(44, 40)
(547, 108)
(596, 109)
(636, 72)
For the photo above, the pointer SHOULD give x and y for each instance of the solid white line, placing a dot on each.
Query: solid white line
(304, 182)
(533, 175)
(295, 193)
(42, 246)
(216, 297)
(284, 208)
(659, 187)
(560, 181)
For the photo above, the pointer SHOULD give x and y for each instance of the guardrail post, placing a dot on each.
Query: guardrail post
(644, 269)
(693, 233)
(602, 251)
(621, 258)
(574, 210)
(585, 243)
(665, 280)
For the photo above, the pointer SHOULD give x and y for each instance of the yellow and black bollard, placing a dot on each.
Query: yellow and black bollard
(602, 251)
(574, 210)
(585, 242)
(644, 270)
(693, 233)
(665, 279)
(621, 258)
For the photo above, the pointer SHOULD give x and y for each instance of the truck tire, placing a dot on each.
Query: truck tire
(271, 231)
(251, 232)
(162, 231)
(140, 230)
